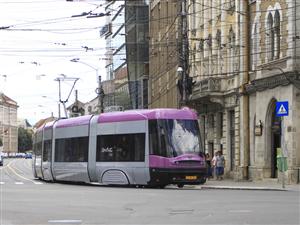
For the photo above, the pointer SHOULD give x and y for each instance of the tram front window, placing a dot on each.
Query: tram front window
(174, 137)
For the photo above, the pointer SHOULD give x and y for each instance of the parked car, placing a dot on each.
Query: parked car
(28, 156)
(1, 160)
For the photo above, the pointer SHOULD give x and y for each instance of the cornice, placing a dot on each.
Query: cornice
(272, 82)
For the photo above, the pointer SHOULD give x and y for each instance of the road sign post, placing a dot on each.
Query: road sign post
(281, 110)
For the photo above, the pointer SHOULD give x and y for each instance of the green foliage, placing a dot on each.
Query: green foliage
(1, 143)
(24, 140)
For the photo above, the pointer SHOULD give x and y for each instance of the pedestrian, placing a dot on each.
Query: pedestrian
(208, 164)
(220, 164)
(213, 165)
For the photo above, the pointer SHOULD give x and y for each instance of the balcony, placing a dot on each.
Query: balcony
(211, 84)
(210, 91)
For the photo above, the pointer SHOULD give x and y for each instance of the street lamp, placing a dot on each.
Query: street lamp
(181, 83)
(99, 91)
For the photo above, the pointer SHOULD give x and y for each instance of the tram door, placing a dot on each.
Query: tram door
(38, 155)
(47, 154)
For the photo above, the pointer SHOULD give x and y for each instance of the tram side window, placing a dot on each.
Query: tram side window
(38, 149)
(47, 151)
(121, 147)
(71, 149)
(156, 139)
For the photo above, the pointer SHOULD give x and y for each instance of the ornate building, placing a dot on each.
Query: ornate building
(275, 34)
(218, 64)
(8, 124)
(244, 57)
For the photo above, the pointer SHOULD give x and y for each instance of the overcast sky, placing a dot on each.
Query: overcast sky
(41, 39)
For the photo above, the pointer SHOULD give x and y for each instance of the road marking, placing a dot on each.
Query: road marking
(24, 178)
(37, 183)
(19, 183)
(2, 182)
(65, 221)
(240, 211)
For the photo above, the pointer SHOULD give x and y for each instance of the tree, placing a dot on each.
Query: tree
(1, 143)
(24, 140)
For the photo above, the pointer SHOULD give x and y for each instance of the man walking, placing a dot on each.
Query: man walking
(220, 164)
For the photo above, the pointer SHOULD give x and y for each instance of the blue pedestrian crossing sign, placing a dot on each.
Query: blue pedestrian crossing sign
(282, 108)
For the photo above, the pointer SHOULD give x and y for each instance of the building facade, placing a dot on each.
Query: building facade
(137, 51)
(164, 54)
(217, 61)
(8, 124)
(275, 62)
(126, 34)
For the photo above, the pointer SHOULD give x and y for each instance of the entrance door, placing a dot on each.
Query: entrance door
(275, 142)
(232, 139)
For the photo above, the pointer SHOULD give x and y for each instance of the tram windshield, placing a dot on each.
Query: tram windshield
(172, 138)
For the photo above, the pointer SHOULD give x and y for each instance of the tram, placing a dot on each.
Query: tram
(149, 147)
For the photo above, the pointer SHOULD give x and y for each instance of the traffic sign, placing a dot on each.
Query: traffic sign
(282, 108)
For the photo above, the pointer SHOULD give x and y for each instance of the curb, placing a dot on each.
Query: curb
(244, 188)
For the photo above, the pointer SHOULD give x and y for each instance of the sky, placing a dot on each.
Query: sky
(38, 38)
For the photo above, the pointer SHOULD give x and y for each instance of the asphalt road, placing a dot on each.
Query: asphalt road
(28, 201)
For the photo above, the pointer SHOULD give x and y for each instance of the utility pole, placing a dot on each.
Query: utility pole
(100, 93)
(183, 52)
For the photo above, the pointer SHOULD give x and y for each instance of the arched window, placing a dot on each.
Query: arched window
(270, 38)
(218, 39)
(276, 35)
(254, 45)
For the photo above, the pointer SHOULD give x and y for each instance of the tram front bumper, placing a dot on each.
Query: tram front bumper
(177, 176)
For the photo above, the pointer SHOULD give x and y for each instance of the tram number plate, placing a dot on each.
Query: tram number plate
(191, 177)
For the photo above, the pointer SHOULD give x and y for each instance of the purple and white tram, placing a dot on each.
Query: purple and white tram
(152, 147)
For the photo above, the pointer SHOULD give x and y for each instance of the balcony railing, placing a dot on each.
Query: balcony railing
(211, 84)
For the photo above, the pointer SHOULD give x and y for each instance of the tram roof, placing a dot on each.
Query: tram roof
(129, 115)
(75, 121)
(147, 114)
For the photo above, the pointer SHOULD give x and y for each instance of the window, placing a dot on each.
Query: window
(47, 151)
(71, 149)
(231, 53)
(255, 46)
(273, 36)
(277, 35)
(270, 38)
(193, 17)
(220, 128)
(121, 148)
(218, 39)
(154, 139)
(172, 138)
(211, 121)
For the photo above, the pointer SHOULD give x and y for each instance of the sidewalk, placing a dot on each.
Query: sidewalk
(268, 184)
